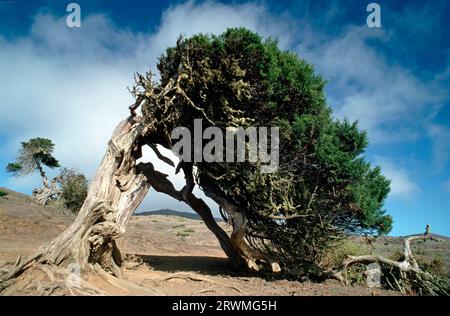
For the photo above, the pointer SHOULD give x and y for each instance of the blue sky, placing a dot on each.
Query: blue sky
(70, 84)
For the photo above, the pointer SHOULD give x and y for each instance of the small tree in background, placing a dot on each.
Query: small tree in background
(74, 186)
(70, 185)
(33, 156)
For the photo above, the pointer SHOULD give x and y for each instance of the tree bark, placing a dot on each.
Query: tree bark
(116, 191)
(253, 258)
(48, 191)
(161, 184)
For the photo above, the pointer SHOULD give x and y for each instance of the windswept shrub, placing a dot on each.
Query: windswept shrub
(74, 186)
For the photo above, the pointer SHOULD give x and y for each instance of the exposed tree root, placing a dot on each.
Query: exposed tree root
(46, 279)
(195, 278)
(16, 270)
(127, 287)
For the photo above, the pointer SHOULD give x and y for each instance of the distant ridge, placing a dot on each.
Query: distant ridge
(170, 212)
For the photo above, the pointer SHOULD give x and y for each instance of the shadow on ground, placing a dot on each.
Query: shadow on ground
(200, 264)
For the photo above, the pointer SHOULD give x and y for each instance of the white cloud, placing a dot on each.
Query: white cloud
(402, 186)
(52, 89)
(389, 101)
(210, 17)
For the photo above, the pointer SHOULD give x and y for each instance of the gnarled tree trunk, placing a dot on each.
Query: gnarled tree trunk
(253, 258)
(118, 188)
(48, 191)
(116, 191)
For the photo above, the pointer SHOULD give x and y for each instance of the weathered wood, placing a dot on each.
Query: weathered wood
(252, 257)
(407, 265)
(116, 191)
(48, 191)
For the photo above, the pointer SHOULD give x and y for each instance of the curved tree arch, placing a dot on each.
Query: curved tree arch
(322, 190)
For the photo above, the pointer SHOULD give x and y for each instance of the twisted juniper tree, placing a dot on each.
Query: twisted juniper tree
(323, 188)
(284, 220)
(33, 156)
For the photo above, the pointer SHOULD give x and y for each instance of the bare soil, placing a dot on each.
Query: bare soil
(169, 255)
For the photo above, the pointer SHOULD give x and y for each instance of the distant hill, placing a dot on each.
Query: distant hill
(170, 212)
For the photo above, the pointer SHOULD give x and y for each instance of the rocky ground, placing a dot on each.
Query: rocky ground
(169, 255)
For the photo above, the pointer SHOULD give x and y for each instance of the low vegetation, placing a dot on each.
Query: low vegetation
(184, 232)
(74, 187)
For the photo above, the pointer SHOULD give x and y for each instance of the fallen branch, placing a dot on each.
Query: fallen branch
(408, 266)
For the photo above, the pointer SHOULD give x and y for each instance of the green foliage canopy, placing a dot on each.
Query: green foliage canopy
(323, 188)
(74, 186)
(33, 154)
